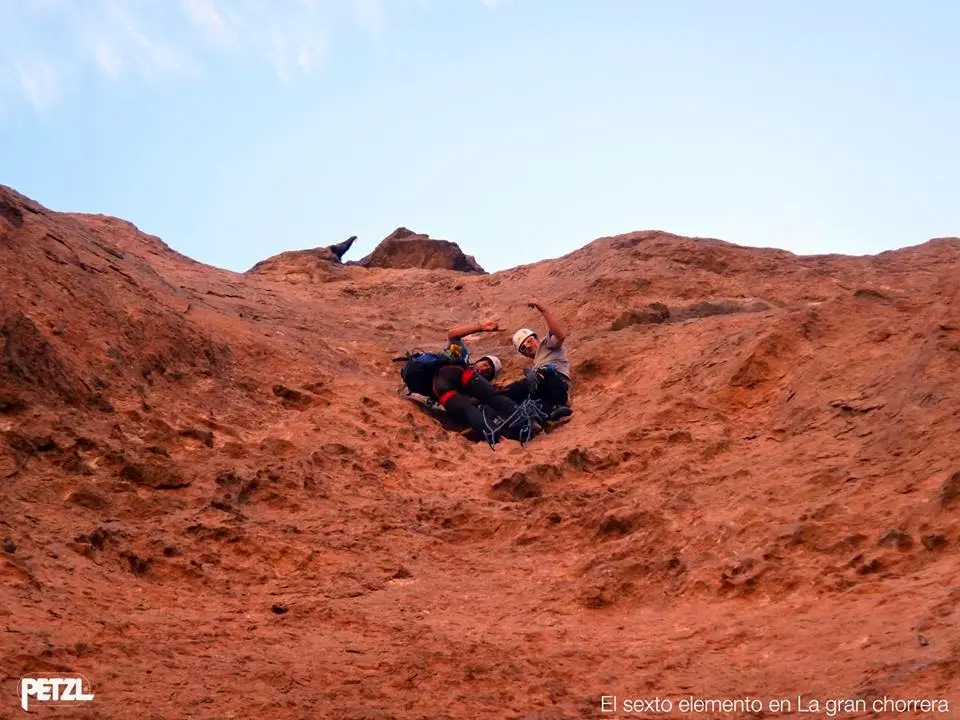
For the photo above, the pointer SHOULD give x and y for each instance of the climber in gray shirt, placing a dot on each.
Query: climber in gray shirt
(549, 379)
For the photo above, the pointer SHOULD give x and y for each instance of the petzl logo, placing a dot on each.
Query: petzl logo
(37, 689)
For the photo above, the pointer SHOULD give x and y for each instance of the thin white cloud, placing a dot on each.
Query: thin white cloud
(204, 13)
(51, 46)
(39, 82)
(371, 16)
(106, 57)
(291, 35)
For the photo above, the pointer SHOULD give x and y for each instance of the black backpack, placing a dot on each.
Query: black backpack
(421, 367)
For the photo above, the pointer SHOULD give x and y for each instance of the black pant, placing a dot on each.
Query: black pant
(453, 388)
(552, 389)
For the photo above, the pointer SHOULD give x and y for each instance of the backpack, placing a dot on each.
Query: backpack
(420, 367)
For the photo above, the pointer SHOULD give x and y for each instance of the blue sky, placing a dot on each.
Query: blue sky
(521, 129)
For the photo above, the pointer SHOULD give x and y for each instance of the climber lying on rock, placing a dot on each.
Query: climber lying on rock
(548, 380)
(464, 390)
(456, 388)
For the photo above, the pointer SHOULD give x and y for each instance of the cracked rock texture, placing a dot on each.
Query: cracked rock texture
(214, 503)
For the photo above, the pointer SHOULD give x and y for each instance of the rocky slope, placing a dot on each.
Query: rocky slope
(215, 504)
(309, 264)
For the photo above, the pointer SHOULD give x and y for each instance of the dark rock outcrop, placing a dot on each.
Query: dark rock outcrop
(404, 248)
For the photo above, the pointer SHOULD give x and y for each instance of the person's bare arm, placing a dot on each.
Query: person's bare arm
(551, 321)
(461, 331)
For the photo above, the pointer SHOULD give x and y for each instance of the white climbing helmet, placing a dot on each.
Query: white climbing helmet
(495, 361)
(520, 335)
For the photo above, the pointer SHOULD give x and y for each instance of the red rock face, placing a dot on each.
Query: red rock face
(314, 265)
(213, 503)
(406, 249)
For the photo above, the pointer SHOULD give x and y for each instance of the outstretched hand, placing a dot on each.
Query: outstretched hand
(489, 326)
(535, 305)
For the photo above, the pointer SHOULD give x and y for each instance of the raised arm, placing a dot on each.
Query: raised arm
(461, 331)
(551, 321)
